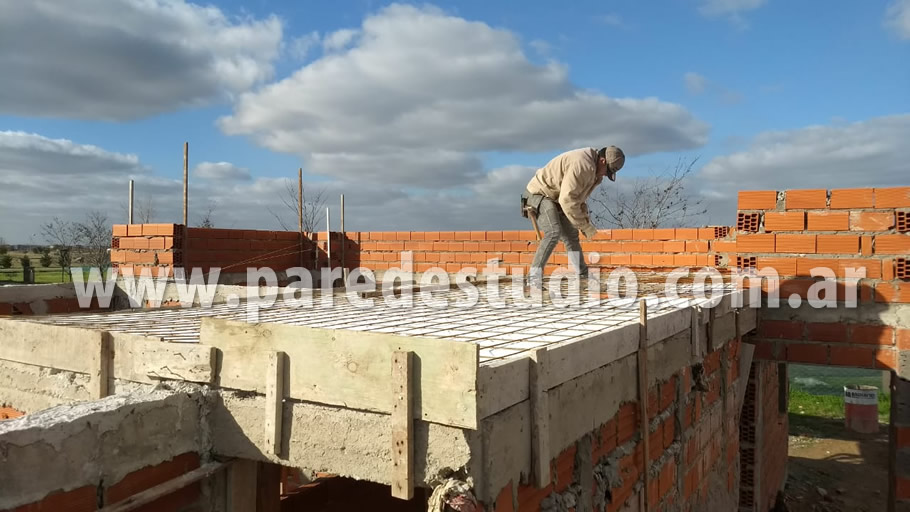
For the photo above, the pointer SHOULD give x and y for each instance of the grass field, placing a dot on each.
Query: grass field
(818, 391)
(43, 275)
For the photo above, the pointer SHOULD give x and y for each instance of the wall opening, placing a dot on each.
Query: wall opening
(838, 453)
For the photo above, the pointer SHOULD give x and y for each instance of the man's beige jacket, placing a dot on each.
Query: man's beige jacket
(569, 180)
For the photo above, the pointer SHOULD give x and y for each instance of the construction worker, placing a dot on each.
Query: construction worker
(558, 192)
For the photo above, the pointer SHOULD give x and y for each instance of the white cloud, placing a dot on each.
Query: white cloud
(42, 177)
(339, 39)
(732, 10)
(611, 19)
(728, 7)
(699, 84)
(299, 47)
(126, 59)
(861, 154)
(695, 83)
(423, 93)
(897, 18)
(540, 46)
(225, 171)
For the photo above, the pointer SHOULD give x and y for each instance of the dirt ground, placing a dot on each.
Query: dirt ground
(833, 470)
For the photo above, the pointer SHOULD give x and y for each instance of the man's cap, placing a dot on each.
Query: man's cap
(615, 159)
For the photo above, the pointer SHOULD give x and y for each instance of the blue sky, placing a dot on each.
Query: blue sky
(459, 111)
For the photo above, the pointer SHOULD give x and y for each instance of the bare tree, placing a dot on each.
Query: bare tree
(145, 211)
(313, 208)
(94, 235)
(63, 235)
(206, 221)
(657, 201)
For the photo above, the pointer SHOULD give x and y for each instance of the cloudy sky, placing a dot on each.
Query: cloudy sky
(434, 116)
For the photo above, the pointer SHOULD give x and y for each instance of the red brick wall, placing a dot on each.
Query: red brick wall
(453, 250)
(775, 431)
(8, 413)
(763, 438)
(796, 230)
(55, 306)
(693, 448)
(85, 499)
(169, 245)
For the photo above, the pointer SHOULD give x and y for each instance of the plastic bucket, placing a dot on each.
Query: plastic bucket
(861, 409)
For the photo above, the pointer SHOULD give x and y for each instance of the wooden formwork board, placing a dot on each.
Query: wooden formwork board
(349, 368)
(103, 355)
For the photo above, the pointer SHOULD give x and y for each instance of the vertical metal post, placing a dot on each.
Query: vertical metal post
(186, 172)
(130, 216)
(300, 199)
(328, 238)
(344, 241)
(300, 210)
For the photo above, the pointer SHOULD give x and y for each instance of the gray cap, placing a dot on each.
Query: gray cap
(615, 159)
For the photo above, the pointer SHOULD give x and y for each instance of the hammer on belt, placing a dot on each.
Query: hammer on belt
(532, 214)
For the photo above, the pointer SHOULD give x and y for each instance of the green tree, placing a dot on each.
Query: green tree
(26, 261)
(46, 260)
(5, 261)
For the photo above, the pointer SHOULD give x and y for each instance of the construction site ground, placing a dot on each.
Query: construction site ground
(834, 470)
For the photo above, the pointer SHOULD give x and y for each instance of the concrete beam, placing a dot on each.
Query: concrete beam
(72, 446)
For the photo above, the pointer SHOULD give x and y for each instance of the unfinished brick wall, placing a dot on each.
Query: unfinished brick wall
(93, 497)
(764, 429)
(166, 246)
(693, 459)
(795, 231)
(8, 413)
(50, 306)
(454, 250)
(900, 443)
(233, 250)
(157, 246)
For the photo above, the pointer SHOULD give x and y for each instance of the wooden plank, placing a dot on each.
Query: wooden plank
(349, 368)
(696, 333)
(501, 385)
(644, 426)
(746, 352)
(101, 375)
(52, 346)
(174, 361)
(274, 401)
(663, 326)
(402, 425)
(570, 360)
(268, 487)
(748, 319)
(712, 312)
(540, 417)
(154, 493)
(242, 486)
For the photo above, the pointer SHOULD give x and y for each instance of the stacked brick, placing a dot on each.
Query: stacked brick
(166, 246)
(233, 250)
(796, 231)
(157, 246)
(692, 443)
(454, 250)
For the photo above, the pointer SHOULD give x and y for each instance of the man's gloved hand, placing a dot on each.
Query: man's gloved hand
(589, 231)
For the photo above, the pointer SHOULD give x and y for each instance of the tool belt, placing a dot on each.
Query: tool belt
(530, 202)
